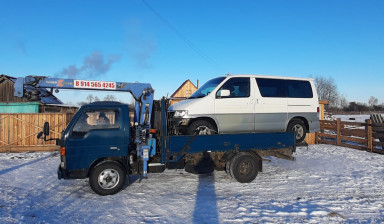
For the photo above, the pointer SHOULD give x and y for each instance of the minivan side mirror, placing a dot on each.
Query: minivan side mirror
(223, 93)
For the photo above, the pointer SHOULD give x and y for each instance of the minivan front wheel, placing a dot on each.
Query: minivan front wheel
(201, 127)
(297, 126)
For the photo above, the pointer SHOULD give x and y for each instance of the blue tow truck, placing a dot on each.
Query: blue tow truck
(103, 144)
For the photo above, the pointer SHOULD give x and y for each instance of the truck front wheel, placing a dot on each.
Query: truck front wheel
(243, 167)
(107, 178)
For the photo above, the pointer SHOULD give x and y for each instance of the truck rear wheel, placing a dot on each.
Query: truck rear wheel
(107, 178)
(243, 167)
(228, 168)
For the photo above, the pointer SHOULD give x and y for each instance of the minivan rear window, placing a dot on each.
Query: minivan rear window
(284, 88)
(299, 89)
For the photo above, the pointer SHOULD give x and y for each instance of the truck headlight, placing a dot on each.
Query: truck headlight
(180, 113)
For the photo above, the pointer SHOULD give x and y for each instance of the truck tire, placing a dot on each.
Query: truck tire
(244, 168)
(107, 178)
(297, 126)
(228, 168)
(201, 127)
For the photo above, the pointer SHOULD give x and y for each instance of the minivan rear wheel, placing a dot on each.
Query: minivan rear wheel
(297, 126)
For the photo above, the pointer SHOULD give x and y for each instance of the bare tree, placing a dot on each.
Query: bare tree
(109, 98)
(81, 103)
(343, 102)
(327, 90)
(372, 102)
(90, 98)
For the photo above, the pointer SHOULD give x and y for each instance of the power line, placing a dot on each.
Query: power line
(186, 40)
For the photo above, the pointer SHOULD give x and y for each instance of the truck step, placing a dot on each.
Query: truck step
(156, 168)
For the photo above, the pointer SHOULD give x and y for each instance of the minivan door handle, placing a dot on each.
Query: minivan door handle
(114, 148)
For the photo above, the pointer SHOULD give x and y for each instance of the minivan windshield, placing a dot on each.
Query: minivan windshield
(207, 88)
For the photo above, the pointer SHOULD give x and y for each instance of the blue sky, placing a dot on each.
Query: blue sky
(197, 40)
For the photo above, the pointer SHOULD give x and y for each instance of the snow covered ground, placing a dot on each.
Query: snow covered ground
(326, 184)
(353, 118)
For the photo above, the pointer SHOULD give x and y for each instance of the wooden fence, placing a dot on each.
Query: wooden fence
(18, 131)
(357, 135)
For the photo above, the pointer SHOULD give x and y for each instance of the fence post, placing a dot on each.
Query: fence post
(338, 131)
(368, 129)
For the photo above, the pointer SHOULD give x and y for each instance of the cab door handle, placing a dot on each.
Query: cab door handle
(114, 148)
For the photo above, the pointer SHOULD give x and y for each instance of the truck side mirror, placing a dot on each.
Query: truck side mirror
(45, 132)
(223, 93)
(46, 128)
(40, 134)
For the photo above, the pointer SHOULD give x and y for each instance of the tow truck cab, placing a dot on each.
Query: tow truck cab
(98, 131)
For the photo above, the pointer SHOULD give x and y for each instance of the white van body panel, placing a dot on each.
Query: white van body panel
(270, 113)
(235, 114)
(195, 108)
(254, 113)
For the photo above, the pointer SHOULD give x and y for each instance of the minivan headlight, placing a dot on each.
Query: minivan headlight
(180, 113)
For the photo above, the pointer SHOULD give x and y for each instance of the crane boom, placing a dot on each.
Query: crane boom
(141, 92)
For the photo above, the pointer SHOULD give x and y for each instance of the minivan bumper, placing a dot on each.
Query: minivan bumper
(179, 124)
(314, 126)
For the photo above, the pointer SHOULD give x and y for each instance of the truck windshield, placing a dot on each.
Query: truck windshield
(207, 88)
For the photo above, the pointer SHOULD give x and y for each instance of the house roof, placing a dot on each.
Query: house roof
(182, 85)
(6, 77)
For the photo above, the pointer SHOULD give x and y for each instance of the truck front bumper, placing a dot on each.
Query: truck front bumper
(71, 174)
(60, 173)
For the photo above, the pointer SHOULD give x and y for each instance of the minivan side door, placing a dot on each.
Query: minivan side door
(234, 112)
(271, 105)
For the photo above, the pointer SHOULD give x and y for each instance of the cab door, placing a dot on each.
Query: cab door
(97, 133)
(234, 111)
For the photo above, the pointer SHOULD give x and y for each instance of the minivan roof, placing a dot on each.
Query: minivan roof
(270, 77)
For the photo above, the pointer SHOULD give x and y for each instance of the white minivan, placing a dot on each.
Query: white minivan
(249, 103)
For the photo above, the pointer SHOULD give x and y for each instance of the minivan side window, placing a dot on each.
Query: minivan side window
(299, 89)
(271, 87)
(238, 87)
(284, 88)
